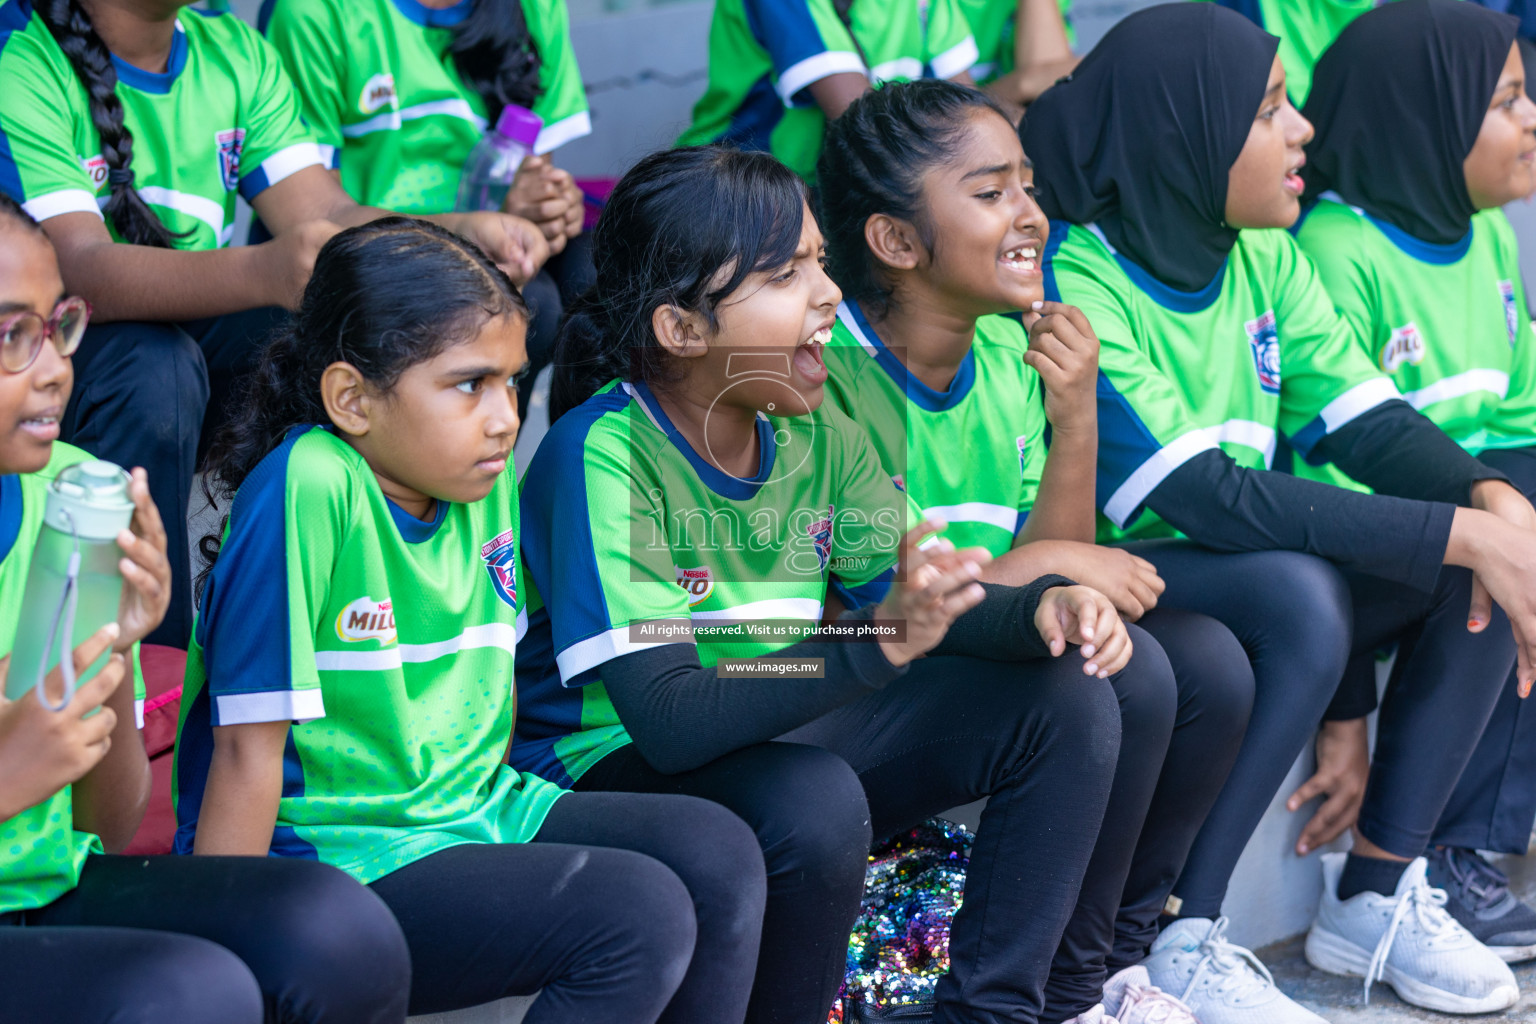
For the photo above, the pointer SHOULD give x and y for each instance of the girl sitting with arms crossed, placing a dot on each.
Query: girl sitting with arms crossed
(933, 232)
(399, 91)
(1215, 338)
(350, 686)
(1409, 240)
(128, 130)
(85, 935)
(702, 485)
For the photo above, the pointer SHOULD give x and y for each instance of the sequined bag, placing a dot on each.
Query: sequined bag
(899, 947)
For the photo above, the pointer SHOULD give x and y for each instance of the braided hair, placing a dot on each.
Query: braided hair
(71, 27)
(496, 56)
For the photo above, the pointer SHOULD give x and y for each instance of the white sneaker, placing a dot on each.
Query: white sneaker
(1221, 983)
(1409, 941)
(1093, 1016)
(1135, 1000)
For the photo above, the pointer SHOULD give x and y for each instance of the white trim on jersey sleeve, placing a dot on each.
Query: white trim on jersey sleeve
(958, 58)
(1000, 516)
(1458, 385)
(901, 67)
(1129, 495)
(521, 628)
(328, 154)
(1253, 435)
(138, 713)
(567, 129)
(814, 69)
(272, 706)
(55, 204)
(293, 159)
(393, 119)
(200, 207)
(1361, 398)
(603, 647)
(491, 634)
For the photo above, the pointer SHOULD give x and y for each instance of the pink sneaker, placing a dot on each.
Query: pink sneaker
(1093, 1016)
(1135, 1000)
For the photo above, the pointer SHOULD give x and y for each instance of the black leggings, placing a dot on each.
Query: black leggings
(1179, 741)
(205, 940)
(1291, 613)
(1040, 739)
(625, 909)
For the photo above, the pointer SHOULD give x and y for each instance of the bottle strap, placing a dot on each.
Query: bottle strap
(63, 616)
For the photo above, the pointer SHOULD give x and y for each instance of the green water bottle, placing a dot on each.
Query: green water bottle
(73, 585)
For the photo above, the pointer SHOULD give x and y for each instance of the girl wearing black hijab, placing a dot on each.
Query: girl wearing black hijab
(1161, 159)
(1424, 131)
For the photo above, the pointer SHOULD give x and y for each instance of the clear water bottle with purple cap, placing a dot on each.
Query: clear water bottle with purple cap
(494, 161)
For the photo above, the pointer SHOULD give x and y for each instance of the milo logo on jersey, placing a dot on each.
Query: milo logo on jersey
(1406, 345)
(1511, 311)
(367, 619)
(1264, 340)
(230, 143)
(378, 93)
(821, 538)
(698, 583)
(500, 557)
(96, 170)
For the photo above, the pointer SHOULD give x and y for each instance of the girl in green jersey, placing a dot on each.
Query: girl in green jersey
(1217, 338)
(1405, 227)
(350, 686)
(86, 934)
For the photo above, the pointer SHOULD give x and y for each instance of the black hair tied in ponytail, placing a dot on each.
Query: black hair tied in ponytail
(88, 55)
(873, 159)
(684, 227)
(496, 56)
(383, 297)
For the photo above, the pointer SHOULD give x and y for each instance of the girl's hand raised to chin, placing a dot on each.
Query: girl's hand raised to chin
(934, 586)
(145, 568)
(1083, 616)
(1065, 352)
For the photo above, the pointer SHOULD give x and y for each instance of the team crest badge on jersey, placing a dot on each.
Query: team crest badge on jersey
(1022, 443)
(500, 557)
(1264, 340)
(1406, 345)
(367, 619)
(230, 143)
(1511, 311)
(821, 537)
(96, 169)
(378, 93)
(698, 583)
(901, 482)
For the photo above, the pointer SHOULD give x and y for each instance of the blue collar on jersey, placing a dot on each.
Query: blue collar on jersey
(434, 17)
(716, 479)
(1436, 253)
(414, 530)
(10, 513)
(157, 83)
(926, 397)
(1168, 297)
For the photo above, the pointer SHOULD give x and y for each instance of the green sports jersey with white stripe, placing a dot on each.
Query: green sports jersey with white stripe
(628, 531)
(992, 23)
(221, 121)
(40, 850)
(971, 455)
(389, 107)
(1447, 323)
(765, 54)
(1258, 352)
(387, 640)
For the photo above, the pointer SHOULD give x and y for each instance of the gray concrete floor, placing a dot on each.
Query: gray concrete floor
(1342, 1001)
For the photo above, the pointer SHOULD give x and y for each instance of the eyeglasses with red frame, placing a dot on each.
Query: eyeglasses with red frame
(22, 334)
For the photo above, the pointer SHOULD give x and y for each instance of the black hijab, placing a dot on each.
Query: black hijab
(1397, 102)
(1139, 139)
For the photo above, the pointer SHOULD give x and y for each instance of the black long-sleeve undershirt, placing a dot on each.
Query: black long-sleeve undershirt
(682, 715)
(1394, 449)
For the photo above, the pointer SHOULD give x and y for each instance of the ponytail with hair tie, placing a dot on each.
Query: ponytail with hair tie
(71, 27)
